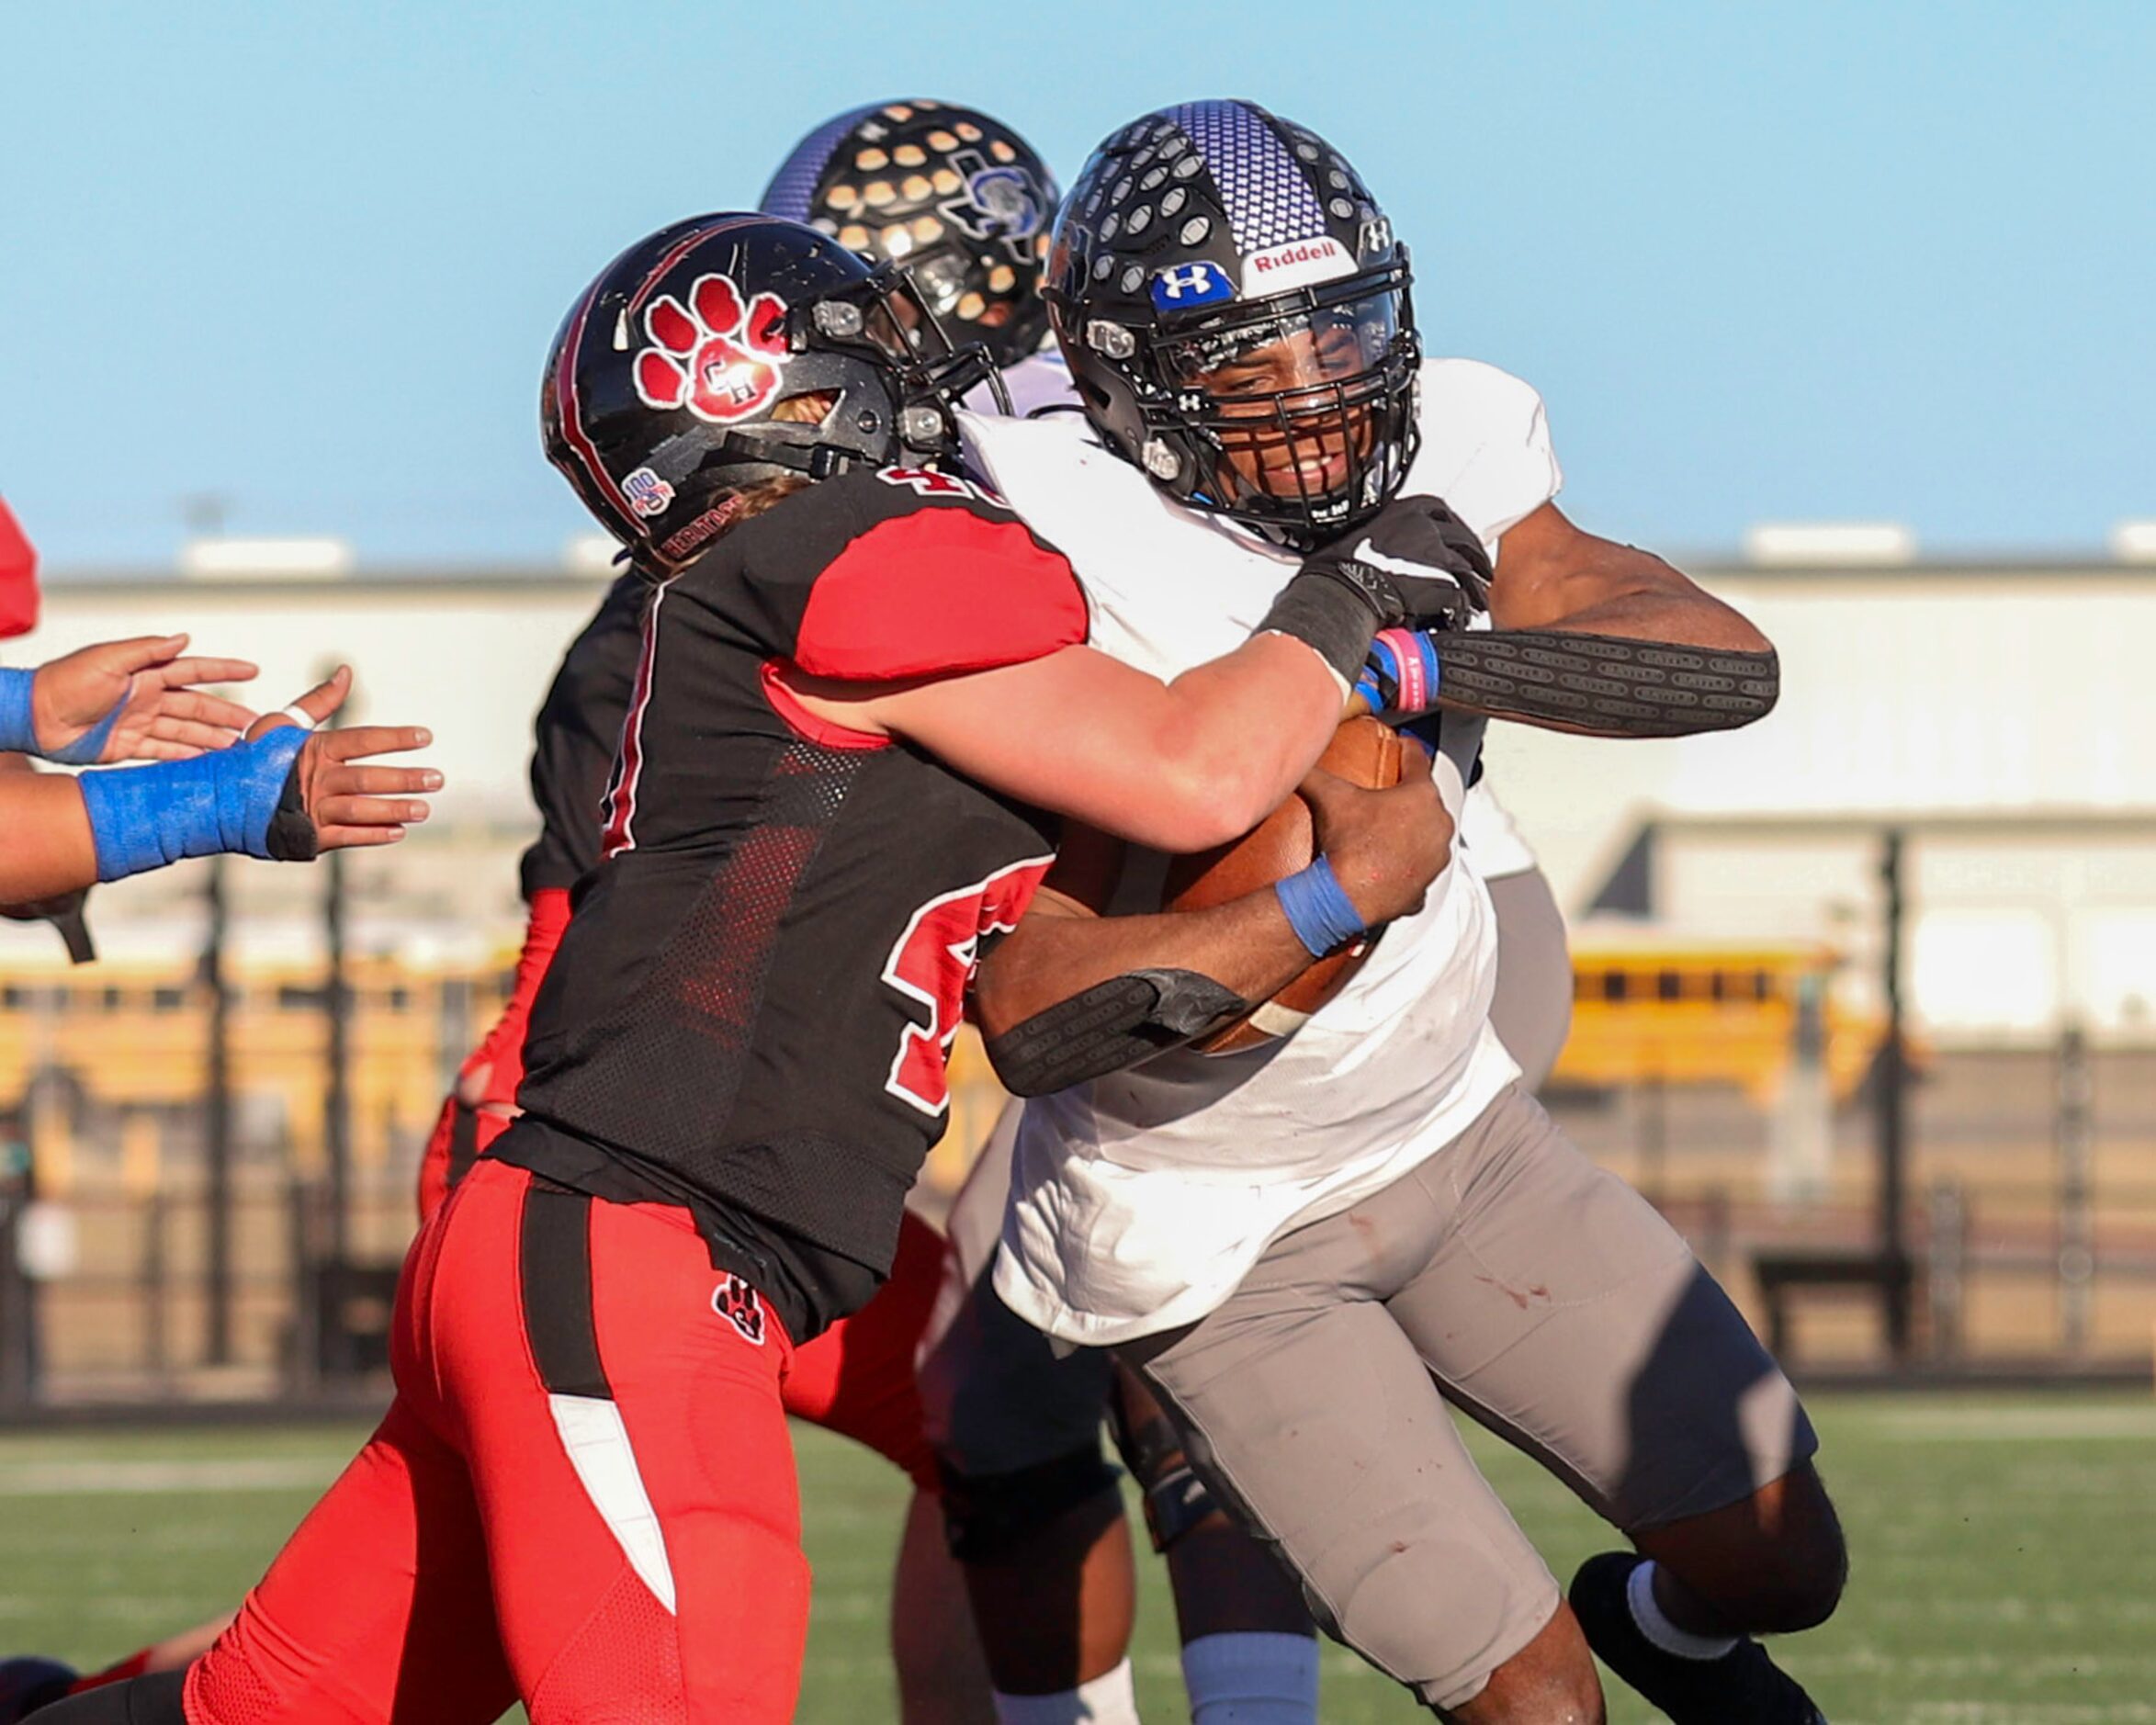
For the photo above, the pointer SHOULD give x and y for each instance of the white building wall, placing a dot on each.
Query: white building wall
(1905, 692)
(1907, 695)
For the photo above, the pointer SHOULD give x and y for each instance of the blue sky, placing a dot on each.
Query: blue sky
(1772, 261)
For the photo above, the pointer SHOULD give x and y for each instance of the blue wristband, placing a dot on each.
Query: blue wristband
(19, 734)
(1380, 683)
(1393, 685)
(143, 817)
(18, 728)
(1319, 910)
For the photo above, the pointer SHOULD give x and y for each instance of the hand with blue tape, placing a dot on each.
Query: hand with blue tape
(287, 792)
(133, 700)
(345, 805)
(1376, 853)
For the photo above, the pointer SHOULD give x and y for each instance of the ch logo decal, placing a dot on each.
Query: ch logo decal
(719, 355)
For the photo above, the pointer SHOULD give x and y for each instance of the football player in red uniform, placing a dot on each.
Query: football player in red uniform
(969, 216)
(861, 681)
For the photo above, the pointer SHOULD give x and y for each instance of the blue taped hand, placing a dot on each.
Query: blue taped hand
(18, 733)
(221, 803)
(87, 749)
(18, 725)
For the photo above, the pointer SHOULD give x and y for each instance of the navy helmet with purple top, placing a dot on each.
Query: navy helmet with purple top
(1235, 312)
(952, 195)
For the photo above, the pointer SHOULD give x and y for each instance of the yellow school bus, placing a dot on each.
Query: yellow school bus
(1709, 1013)
(134, 1038)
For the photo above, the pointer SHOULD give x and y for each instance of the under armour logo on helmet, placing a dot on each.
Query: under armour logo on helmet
(1184, 285)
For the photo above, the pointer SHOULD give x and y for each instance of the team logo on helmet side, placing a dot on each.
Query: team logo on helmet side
(720, 356)
(999, 203)
(648, 494)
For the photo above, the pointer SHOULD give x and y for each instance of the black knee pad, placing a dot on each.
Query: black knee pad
(985, 1515)
(1176, 1500)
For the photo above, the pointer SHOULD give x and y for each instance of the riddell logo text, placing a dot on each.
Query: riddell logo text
(1299, 252)
(1297, 264)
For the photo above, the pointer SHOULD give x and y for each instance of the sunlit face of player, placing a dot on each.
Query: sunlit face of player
(1291, 401)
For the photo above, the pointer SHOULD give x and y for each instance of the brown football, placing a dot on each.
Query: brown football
(1363, 751)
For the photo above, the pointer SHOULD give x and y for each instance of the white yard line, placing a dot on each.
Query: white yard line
(2008, 1424)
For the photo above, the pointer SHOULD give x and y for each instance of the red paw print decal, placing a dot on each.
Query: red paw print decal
(719, 356)
(741, 1305)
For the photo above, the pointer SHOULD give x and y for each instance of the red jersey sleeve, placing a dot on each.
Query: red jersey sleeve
(939, 590)
(19, 578)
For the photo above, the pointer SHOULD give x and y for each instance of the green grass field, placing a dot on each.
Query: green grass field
(2005, 1558)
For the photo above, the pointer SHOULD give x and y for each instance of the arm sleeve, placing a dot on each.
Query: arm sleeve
(503, 1046)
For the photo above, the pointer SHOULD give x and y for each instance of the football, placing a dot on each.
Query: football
(1364, 752)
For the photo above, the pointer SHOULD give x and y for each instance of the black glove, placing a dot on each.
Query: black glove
(1415, 563)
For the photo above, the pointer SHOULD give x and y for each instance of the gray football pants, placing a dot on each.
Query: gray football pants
(1531, 1012)
(1509, 1278)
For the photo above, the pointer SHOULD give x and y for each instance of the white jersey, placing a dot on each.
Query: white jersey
(1139, 1200)
(1492, 839)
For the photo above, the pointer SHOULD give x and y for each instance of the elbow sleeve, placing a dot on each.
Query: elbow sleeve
(1112, 1025)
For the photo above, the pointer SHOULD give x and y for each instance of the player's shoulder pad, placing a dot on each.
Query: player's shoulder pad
(1058, 475)
(1483, 392)
(1485, 444)
(937, 575)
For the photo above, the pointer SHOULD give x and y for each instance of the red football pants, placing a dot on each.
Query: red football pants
(855, 1379)
(584, 1494)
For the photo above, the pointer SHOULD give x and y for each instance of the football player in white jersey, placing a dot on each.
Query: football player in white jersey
(1309, 1250)
(965, 202)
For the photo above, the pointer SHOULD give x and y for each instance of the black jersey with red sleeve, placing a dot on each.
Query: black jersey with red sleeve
(575, 735)
(752, 1008)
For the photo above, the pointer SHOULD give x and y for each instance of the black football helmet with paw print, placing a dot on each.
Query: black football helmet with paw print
(664, 395)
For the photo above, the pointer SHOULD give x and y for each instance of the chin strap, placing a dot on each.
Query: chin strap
(818, 461)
